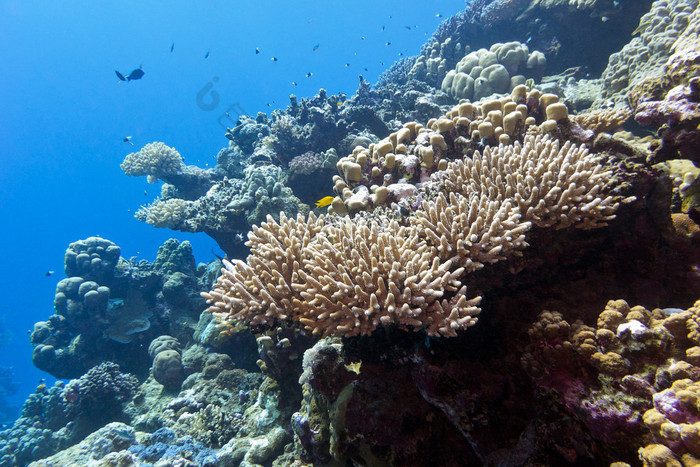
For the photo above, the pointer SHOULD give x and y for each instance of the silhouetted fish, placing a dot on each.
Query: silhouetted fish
(49, 273)
(127, 139)
(172, 46)
(206, 55)
(136, 74)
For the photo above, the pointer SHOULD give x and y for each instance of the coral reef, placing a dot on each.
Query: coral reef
(494, 71)
(644, 56)
(56, 418)
(677, 117)
(632, 379)
(347, 278)
(110, 311)
(444, 211)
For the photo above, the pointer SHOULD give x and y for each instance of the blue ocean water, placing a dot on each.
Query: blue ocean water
(65, 113)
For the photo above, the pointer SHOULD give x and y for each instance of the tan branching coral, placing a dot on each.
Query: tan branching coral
(168, 213)
(156, 160)
(602, 120)
(340, 276)
(346, 278)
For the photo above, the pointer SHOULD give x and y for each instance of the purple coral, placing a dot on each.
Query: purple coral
(307, 163)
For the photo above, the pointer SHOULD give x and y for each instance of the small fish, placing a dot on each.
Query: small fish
(362, 38)
(50, 273)
(135, 74)
(257, 50)
(323, 202)
(316, 47)
(383, 27)
(220, 258)
(347, 65)
(400, 54)
(438, 15)
(408, 28)
(42, 380)
(206, 55)
(340, 103)
(388, 43)
(274, 59)
(127, 139)
(239, 238)
(172, 46)
(41, 388)
(145, 193)
(294, 83)
(309, 75)
(366, 69)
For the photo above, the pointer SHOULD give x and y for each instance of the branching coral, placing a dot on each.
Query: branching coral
(155, 160)
(349, 277)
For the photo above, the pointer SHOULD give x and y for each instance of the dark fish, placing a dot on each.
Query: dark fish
(145, 193)
(220, 258)
(382, 28)
(388, 43)
(274, 59)
(206, 55)
(400, 54)
(172, 46)
(294, 83)
(366, 69)
(362, 38)
(347, 64)
(408, 28)
(309, 75)
(136, 74)
(120, 76)
(49, 273)
(127, 139)
(438, 15)
(257, 51)
(316, 47)
(42, 380)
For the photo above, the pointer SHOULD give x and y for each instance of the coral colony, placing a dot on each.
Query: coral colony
(471, 262)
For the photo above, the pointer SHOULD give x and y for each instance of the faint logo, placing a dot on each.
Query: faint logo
(208, 99)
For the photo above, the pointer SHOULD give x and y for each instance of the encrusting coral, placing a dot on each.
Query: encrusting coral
(347, 277)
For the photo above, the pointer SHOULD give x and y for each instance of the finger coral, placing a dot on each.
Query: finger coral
(338, 276)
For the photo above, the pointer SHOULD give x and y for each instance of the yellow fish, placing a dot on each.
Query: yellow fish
(323, 202)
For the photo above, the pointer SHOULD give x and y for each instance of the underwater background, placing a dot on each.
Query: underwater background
(66, 113)
(350, 233)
